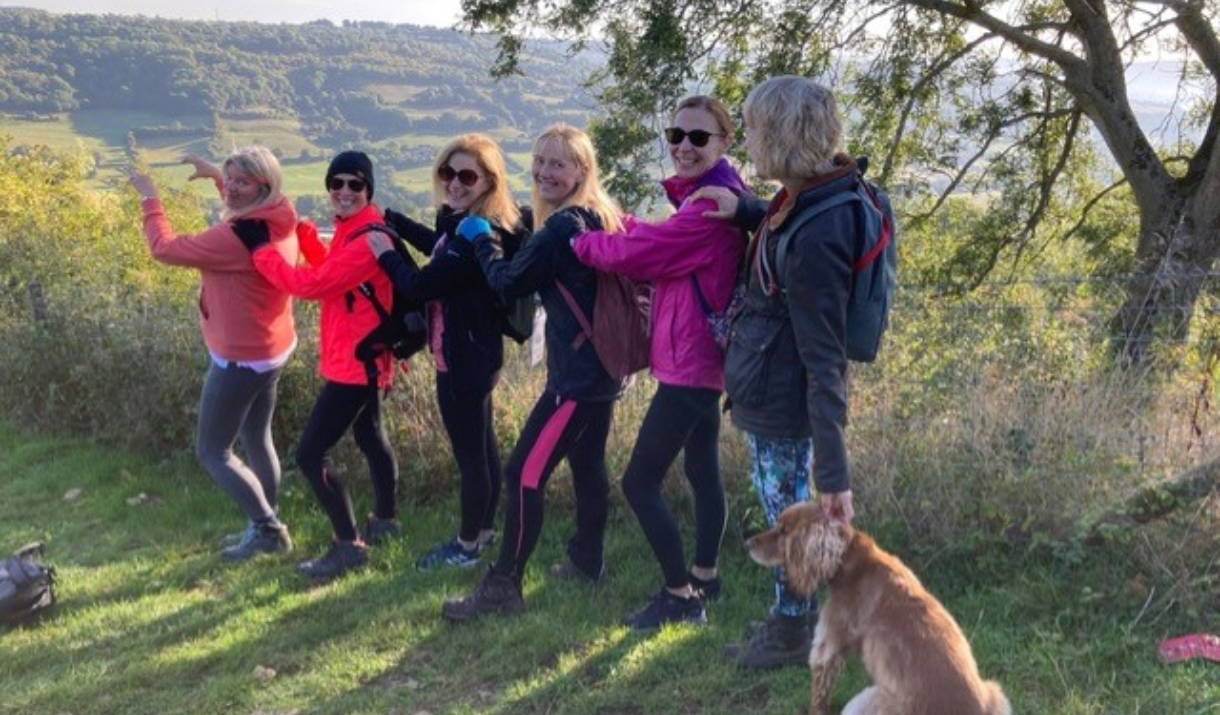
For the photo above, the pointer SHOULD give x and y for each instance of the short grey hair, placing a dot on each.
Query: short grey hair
(795, 125)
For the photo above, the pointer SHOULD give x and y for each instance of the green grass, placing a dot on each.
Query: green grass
(151, 621)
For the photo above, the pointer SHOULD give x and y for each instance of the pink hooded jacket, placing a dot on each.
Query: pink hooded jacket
(667, 254)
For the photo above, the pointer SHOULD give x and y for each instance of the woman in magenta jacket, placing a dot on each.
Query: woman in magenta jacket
(692, 263)
(351, 395)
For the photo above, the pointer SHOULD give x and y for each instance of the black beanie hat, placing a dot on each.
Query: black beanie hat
(356, 163)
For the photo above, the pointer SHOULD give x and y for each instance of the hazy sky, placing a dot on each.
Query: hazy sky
(440, 13)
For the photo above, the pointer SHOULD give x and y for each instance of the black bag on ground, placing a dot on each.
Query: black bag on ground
(27, 586)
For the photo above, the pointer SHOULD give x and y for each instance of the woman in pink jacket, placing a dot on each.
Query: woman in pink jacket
(692, 263)
(351, 395)
(248, 328)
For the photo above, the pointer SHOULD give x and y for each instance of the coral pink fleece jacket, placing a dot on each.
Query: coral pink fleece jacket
(334, 277)
(667, 254)
(244, 318)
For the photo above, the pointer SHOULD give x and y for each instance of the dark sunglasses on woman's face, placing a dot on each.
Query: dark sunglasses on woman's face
(468, 177)
(355, 185)
(698, 137)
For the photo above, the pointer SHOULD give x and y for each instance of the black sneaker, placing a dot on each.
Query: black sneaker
(343, 556)
(567, 570)
(377, 530)
(496, 594)
(708, 591)
(664, 608)
(259, 540)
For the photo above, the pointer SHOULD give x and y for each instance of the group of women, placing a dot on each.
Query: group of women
(483, 251)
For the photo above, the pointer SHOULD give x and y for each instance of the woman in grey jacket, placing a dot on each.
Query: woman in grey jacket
(786, 365)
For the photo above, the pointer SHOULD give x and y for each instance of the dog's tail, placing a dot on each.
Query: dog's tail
(997, 702)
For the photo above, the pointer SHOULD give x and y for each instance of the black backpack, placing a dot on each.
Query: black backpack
(403, 330)
(27, 586)
(517, 314)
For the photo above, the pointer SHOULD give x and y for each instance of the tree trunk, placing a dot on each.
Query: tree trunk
(1179, 244)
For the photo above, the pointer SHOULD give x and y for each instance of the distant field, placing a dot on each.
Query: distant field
(104, 135)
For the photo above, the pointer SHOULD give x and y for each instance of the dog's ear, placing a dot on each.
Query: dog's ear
(815, 552)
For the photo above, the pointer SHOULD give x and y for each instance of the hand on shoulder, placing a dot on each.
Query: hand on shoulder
(726, 201)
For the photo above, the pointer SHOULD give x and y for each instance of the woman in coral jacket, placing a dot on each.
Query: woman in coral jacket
(351, 395)
(692, 263)
(248, 328)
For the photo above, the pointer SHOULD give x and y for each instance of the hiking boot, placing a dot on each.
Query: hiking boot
(782, 640)
(450, 553)
(343, 556)
(259, 540)
(496, 594)
(377, 530)
(708, 591)
(664, 608)
(753, 628)
(567, 570)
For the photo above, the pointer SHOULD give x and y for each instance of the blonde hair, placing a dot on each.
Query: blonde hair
(496, 204)
(259, 164)
(577, 147)
(714, 107)
(795, 127)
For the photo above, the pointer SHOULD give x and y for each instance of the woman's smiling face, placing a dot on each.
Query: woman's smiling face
(554, 172)
(695, 125)
(459, 169)
(241, 189)
(344, 199)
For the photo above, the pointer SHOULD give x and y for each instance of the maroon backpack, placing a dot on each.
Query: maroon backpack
(619, 327)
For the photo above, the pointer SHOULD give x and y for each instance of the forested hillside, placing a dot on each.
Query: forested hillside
(358, 82)
(149, 90)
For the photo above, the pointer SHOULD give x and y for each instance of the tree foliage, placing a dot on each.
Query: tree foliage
(1007, 103)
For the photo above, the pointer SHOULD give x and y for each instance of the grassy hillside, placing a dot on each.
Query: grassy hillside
(139, 89)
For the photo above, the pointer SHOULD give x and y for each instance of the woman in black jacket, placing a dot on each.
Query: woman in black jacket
(571, 420)
(464, 326)
(790, 398)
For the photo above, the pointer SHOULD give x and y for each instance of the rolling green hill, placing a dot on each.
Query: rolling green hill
(126, 88)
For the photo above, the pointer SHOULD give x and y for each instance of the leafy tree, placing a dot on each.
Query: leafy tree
(1001, 100)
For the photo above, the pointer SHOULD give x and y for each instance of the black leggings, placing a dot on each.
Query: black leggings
(467, 415)
(679, 419)
(558, 428)
(337, 408)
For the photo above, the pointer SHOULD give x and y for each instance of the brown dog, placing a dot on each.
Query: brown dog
(915, 653)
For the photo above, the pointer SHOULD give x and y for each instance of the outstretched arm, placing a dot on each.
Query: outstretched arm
(204, 169)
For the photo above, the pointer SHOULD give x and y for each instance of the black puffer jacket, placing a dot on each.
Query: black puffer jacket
(786, 365)
(545, 258)
(471, 342)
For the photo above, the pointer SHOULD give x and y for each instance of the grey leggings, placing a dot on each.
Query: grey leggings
(238, 402)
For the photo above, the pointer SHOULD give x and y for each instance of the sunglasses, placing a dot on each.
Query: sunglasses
(468, 177)
(698, 137)
(356, 185)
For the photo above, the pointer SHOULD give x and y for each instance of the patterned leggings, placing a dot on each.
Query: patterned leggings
(781, 469)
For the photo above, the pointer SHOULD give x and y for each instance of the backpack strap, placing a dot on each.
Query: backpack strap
(805, 216)
(586, 326)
